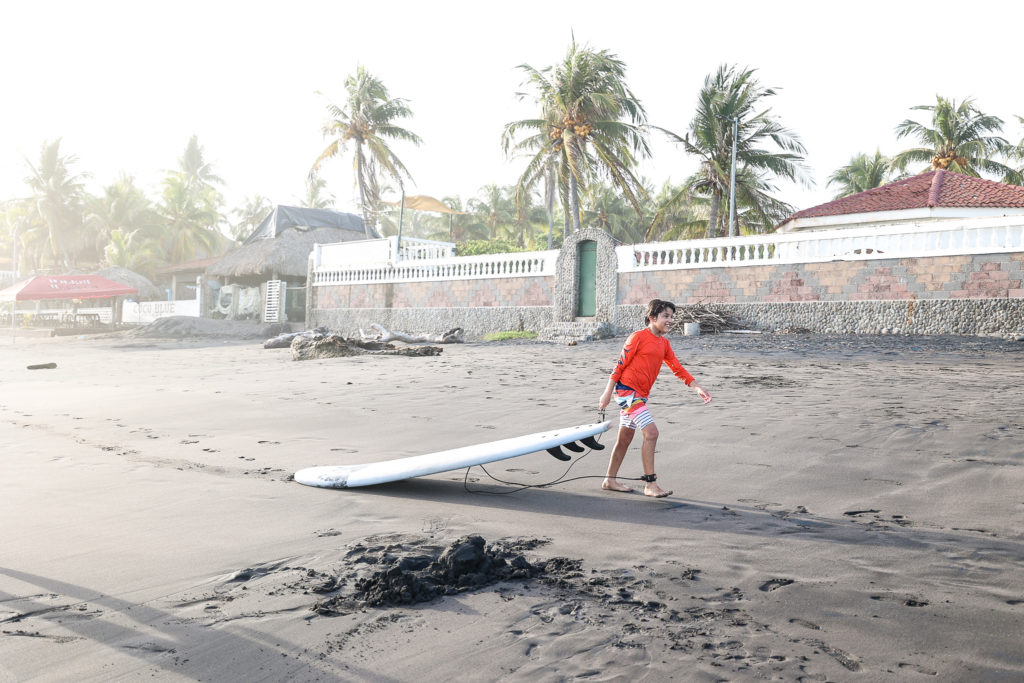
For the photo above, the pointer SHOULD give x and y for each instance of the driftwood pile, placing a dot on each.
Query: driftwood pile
(711, 321)
(284, 341)
(313, 346)
(452, 336)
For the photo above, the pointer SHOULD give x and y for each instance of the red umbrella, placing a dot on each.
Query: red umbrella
(65, 287)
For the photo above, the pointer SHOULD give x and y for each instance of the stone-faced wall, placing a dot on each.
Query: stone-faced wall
(482, 293)
(969, 294)
(478, 306)
(567, 267)
(976, 276)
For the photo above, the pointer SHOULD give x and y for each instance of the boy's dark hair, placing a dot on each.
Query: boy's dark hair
(656, 306)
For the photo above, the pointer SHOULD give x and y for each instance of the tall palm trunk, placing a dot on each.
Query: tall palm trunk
(574, 202)
(361, 183)
(549, 201)
(716, 200)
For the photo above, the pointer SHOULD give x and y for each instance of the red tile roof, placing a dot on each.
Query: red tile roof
(933, 189)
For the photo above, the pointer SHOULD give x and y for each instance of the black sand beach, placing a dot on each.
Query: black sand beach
(848, 508)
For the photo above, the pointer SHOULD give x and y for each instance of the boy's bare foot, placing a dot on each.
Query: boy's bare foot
(612, 485)
(655, 491)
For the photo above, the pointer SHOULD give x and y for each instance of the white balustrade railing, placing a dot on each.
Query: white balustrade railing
(955, 236)
(413, 249)
(369, 261)
(522, 264)
(379, 252)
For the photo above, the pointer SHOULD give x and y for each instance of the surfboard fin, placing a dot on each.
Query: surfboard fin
(591, 442)
(574, 447)
(558, 453)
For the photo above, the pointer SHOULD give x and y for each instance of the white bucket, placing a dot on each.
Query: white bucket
(691, 329)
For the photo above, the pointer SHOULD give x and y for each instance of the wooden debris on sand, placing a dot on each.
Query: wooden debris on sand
(315, 346)
(284, 341)
(711, 321)
(452, 336)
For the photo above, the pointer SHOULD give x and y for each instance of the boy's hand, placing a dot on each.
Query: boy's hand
(703, 394)
(603, 402)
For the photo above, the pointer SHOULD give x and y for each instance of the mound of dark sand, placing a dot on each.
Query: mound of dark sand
(184, 327)
(410, 576)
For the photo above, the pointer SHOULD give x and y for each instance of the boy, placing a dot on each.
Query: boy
(635, 372)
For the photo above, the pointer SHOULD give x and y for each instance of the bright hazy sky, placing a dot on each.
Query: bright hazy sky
(125, 84)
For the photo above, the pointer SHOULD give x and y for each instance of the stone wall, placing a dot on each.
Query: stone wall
(478, 306)
(978, 276)
(476, 321)
(998, 316)
(969, 294)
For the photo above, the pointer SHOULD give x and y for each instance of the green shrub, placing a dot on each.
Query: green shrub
(505, 336)
(480, 247)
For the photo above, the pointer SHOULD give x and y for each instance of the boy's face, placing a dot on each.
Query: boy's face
(662, 322)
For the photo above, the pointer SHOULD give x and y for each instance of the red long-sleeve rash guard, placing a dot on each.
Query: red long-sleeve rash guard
(641, 359)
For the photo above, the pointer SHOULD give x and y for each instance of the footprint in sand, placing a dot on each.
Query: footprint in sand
(857, 513)
(806, 624)
(918, 669)
(908, 601)
(759, 504)
(775, 584)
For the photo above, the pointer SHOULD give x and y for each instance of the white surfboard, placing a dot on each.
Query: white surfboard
(346, 476)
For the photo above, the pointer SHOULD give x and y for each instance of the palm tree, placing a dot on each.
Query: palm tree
(863, 173)
(496, 209)
(133, 250)
(959, 138)
(1016, 153)
(17, 218)
(58, 198)
(590, 124)
(190, 208)
(189, 219)
(123, 208)
(730, 94)
(679, 214)
(608, 210)
(196, 170)
(316, 193)
(457, 227)
(253, 210)
(367, 122)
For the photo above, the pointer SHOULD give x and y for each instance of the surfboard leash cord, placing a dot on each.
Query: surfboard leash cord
(559, 480)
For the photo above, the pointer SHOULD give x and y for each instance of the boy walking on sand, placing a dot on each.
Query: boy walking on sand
(638, 366)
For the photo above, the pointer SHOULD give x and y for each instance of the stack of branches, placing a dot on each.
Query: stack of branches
(711, 321)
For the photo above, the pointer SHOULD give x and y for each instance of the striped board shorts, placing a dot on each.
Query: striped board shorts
(633, 413)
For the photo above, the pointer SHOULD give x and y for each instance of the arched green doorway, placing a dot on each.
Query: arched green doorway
(587, 280)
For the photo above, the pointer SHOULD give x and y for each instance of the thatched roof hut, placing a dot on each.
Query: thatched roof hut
(147, 290)
(282, 243)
